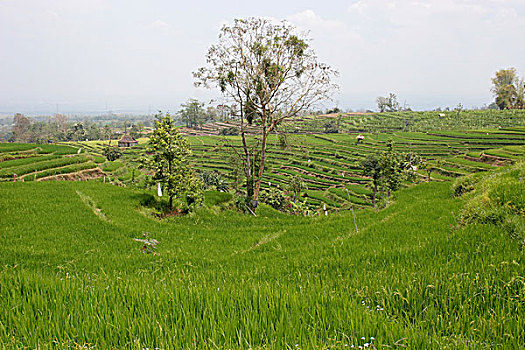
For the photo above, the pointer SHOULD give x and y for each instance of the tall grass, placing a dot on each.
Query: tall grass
(224, 280)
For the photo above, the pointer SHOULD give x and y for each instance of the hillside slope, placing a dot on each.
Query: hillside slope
(71, 275)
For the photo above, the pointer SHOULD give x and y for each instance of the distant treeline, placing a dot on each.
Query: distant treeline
(60, 128)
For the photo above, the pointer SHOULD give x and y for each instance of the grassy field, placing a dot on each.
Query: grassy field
(72, 276)
(441, 267)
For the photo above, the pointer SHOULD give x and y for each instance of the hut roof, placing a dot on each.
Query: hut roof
(127, 138)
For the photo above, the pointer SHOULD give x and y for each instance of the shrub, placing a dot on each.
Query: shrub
(331, 126)
(229, 131)
(498, 199)
(465, 184)
(274, 197)
(213, 179)
(112, 153)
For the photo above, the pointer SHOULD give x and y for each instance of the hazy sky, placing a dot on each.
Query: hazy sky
(139, 55)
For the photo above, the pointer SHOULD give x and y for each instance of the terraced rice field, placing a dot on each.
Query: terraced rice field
(410, 121)
(328, 163)
(28, 162)
(417, 274)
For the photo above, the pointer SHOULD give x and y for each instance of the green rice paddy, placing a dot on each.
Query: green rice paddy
(71, 275)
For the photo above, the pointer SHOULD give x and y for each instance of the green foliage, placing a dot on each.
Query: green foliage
(465, 184)
(214, 180)
(371, 166)
(331, 126)
(192, 113)
(508, 89)
(240, 202)
(112, 153)
(230, 281)
(295, 185)
(496, 199)
(274, 197)
(167, 156)
(229, 131)
(301, 208)
(389, 168)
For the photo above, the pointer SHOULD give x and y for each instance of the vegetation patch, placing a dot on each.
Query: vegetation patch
(495, 198)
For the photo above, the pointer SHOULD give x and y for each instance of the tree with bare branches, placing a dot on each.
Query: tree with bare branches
(269, 73)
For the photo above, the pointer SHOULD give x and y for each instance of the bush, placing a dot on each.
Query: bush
(213, 179)
(274, 197)
(229, 131)
(331, 126)
(240, 203)
(112, 153)
(464, 185)
(497, 199)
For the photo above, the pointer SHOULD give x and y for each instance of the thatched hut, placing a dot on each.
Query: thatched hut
(127, 141)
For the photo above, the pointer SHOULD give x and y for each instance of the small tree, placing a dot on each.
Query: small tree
(458, 109)
(428, 167)
(372, 167)
(331, 126)
(389, 169)
(391, 172)
(296, 185)
(166, 154)
(213, 179)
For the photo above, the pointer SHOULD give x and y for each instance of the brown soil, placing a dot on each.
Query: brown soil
(488, 159)
(169, 214)
(78, 176)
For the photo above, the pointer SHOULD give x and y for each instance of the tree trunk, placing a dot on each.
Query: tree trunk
(374, 193)
(261, 165)
(169, 185)
(248, 168)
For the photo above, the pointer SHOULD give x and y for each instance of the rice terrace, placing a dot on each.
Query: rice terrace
(263, 221)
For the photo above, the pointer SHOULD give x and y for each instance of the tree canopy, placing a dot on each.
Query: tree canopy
(192, 113)
(508, 89)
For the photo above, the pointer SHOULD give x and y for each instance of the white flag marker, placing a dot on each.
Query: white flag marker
(159, 190)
